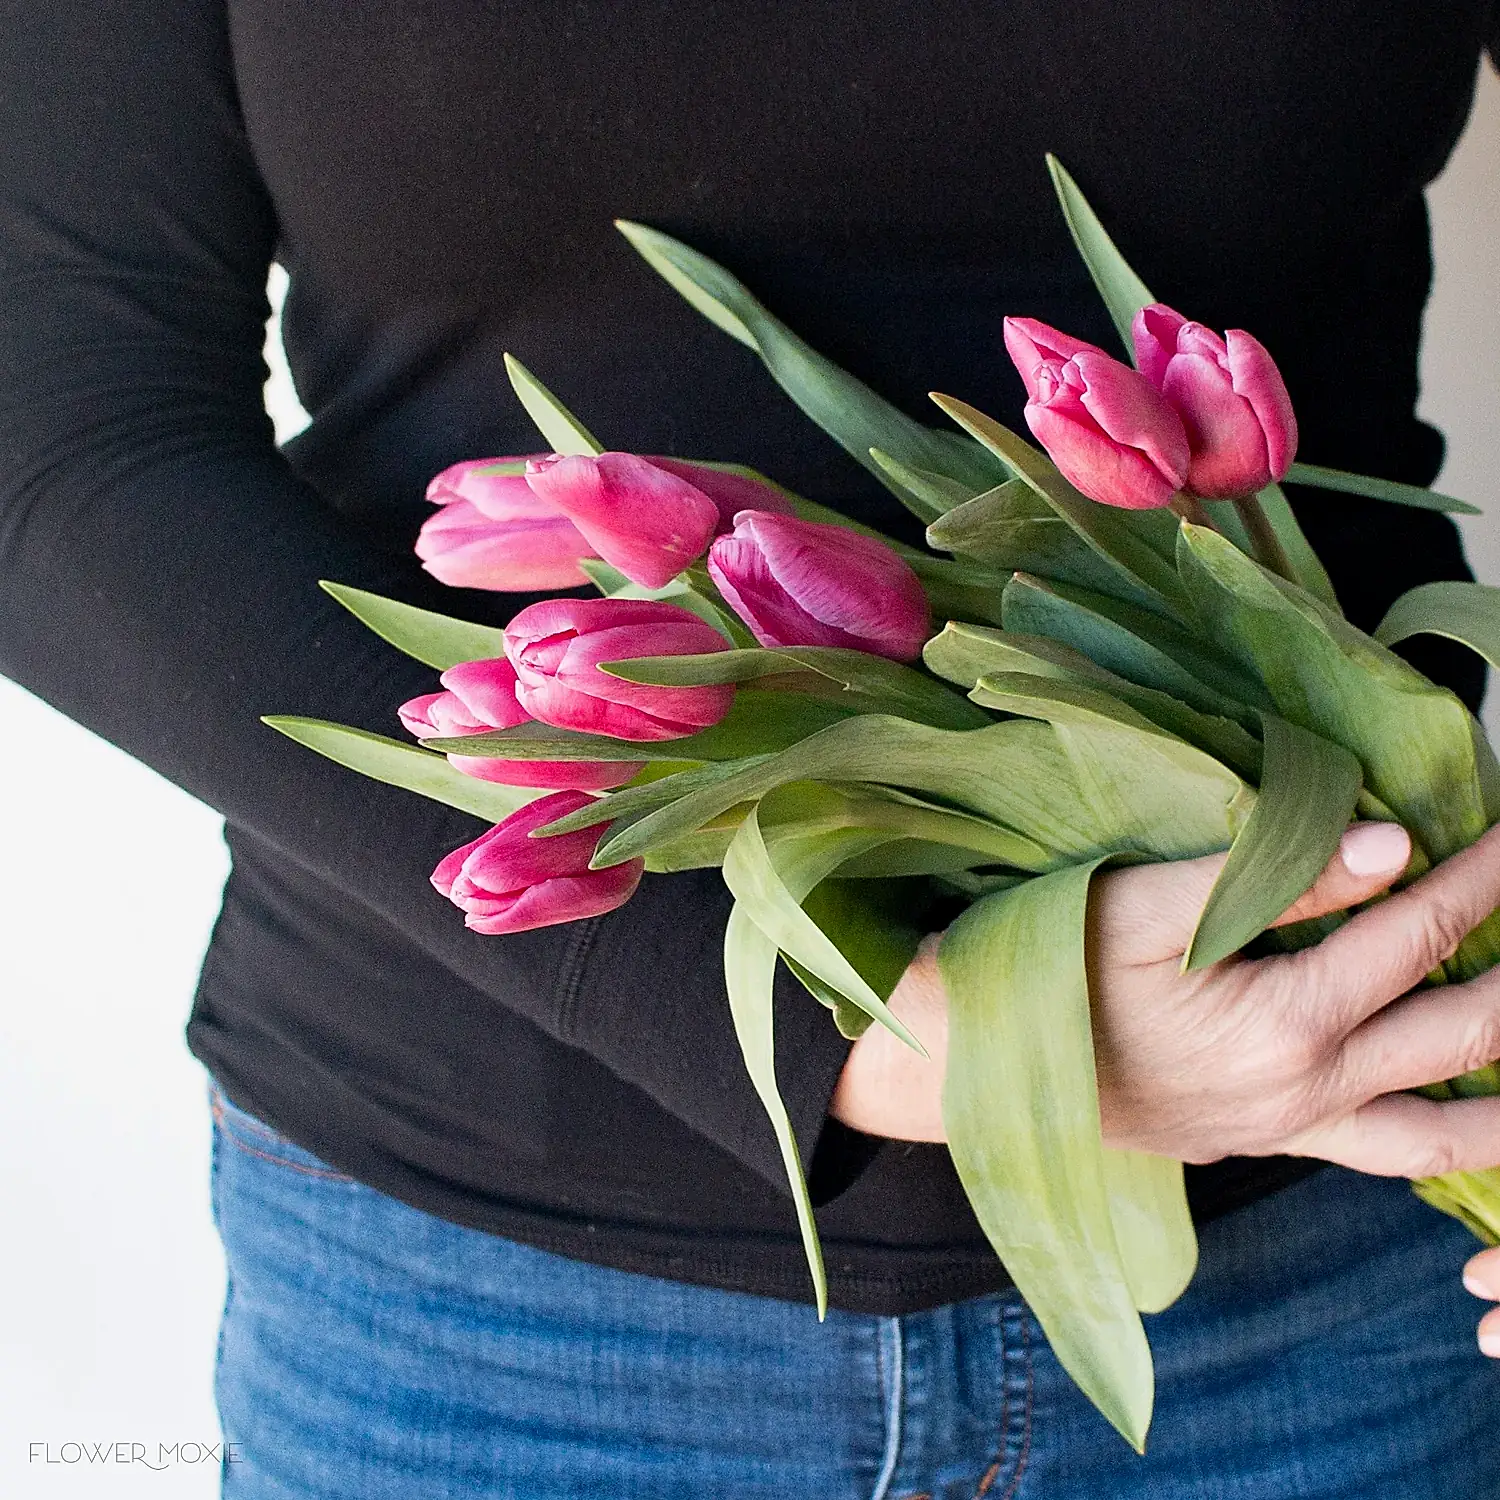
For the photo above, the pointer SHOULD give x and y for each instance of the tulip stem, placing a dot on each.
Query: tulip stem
(1265, 545)
(1190, 508)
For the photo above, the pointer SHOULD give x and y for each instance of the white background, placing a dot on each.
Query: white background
(110, 1275)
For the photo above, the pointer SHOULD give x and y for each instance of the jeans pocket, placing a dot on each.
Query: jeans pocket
(255, 1138)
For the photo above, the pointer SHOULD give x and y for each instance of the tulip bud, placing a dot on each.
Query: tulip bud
(729, 491)
(1105, 426)
(1242, 433)
(507, 881)
(480, 696)
(640, 517)
(556, 648)
(799, 583)
(493, 532)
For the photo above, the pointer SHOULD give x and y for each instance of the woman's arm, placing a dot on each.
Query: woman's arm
(159, 559)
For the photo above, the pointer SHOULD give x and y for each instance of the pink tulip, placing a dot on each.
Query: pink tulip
(493, 532)
(640, 517)
(507, 881)
(1241, 430)
(798, 583)
(731, 492)
(557, 646)
(1104, 425)
(480, 696)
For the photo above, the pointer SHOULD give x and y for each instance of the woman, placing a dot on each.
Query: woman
(492, 1207)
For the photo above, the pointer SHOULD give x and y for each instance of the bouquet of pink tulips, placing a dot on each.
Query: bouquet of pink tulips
(1120, 647)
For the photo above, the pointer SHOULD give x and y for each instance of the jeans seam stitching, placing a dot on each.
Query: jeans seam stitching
(231, 1134)
(1021, 1462)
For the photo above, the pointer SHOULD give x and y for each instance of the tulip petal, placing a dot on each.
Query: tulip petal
(488, 690)
(1227, 442)
(1259, 381)
(730, 492)
(1097, 467)
(1130, 410)
(463, 548)
(560, 775)
(648, 523)
(1154, 333)
(1032, 345)
(566, 899)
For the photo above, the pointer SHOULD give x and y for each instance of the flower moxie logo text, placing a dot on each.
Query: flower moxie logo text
(121, 1454)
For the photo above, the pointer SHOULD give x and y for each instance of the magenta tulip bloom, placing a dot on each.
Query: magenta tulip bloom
(1104, 425)
(557, 646)
(640, 517)
(507, 881)
(494, 532)
(481, 696)
(730, 492)
(799, 583)
(1242, 433)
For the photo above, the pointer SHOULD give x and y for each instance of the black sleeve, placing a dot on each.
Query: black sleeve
(158, 558)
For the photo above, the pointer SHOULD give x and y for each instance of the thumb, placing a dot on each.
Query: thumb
(1147, 913)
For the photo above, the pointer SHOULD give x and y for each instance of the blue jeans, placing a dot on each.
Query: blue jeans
(373, 1352)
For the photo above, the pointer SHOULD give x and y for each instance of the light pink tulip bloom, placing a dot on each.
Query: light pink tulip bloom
(1242, 432)
(1104, 425)
(800, 583)
(507, 881)
(557, 646)
(640, 517)
(481, 696)
(494, 532)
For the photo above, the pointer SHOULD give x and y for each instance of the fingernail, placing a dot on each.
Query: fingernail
(1375, 849)
(1475, 1287)
(1489, 1343)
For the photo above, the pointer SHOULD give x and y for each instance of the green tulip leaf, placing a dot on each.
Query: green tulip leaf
(563, 431)
(1118, 537)
(404, 765)
(1308, 790)
(1021, 1106)
(764, 896)
(758, 723)
(1422, 753)
(864, 682)
(1465, 612)
(1134, 644)
(1306, 566)
(965, 653)
(1367, 485)
(927, 494)
(435, 639)
(1153, 1228)
(1124, 292)
(845, 408)
(750, 977)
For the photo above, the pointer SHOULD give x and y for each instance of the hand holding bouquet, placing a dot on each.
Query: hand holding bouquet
(1120, 650)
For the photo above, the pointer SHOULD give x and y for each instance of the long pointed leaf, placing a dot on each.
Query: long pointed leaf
(563, 431)
(1306, 566)
(1465, 612)
(845, 408)
(1149, 1210)
(1021, 1106)
(404, 765)
(435, 639)
(870, 682)
(1308, 790)
(1390, 490)
(750, 976)
(1124, 292)
(759, 889)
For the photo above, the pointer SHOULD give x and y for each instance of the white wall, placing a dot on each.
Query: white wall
(110, 1277)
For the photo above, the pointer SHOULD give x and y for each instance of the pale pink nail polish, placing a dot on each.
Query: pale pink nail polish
(1375, 849)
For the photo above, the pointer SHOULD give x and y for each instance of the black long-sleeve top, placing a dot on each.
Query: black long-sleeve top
(440, 180)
